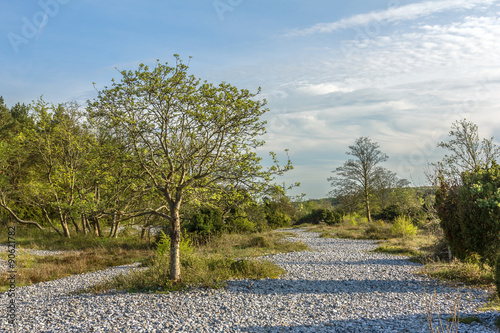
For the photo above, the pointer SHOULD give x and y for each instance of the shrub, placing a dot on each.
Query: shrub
(389, 213)
(470, 214)
(403, 227)
(206, 221)
(277, 219)
(163, 245)
(323, 215)
(240, 225)
(260, 241)
(378, 230)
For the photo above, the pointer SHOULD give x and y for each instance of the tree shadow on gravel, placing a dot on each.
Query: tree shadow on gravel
(370, 262)
(400, 324)
(286, 287)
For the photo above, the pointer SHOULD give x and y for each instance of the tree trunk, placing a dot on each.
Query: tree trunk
(64, 223)
(77, 229)
(87, 223)
(175, 242)
(2, 204)
(112, 229)
(65, 228)
(117, 225)
(84, 224)
(97, 227)
(367, 206)
(50, 221)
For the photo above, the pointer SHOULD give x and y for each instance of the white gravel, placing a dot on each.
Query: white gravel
(338, 287)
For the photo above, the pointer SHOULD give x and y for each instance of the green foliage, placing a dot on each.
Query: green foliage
(389, 213)
(398, 250)
(354, 219)
(279, 210)
(260, 241)
(206, 221)
(163, 245)
(403, 227)
(241, 224)
(327, 216)
(378, 230)
(210, 264)
(277, 219)
(470, 214)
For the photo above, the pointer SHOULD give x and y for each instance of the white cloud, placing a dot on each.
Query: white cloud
(391, 15)
(324, 88)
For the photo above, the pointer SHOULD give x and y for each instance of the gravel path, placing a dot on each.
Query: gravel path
(4, 266)
(338, 287)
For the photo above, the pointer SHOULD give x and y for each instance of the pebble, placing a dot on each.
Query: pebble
(337, 286)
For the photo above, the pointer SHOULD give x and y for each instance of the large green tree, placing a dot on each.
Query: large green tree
(186, 135)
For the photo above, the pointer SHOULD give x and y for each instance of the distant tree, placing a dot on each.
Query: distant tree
(360, 175)
(185, 135)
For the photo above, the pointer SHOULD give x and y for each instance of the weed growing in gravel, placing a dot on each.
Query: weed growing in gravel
(452, 322)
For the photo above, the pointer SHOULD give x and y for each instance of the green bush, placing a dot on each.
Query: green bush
(260, 241)
(163, 245)
(470, 214)
(323, 215)
(389, 213)
(241, 225)
(277, 219)
(206, 221)
(238, 222)
(403, 227)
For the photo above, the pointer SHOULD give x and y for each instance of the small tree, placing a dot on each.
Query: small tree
(186, 135)
(468, 151)
(361, 174)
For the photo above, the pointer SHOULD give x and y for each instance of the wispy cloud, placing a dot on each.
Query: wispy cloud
(393, 14)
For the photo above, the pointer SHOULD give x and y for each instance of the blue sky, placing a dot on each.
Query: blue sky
(397, 71)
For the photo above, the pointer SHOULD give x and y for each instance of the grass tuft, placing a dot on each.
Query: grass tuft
(470, 274)
(210, 265)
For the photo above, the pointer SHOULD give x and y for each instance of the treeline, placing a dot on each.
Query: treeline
(154, 143)
(60, 171)
(387, 203)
